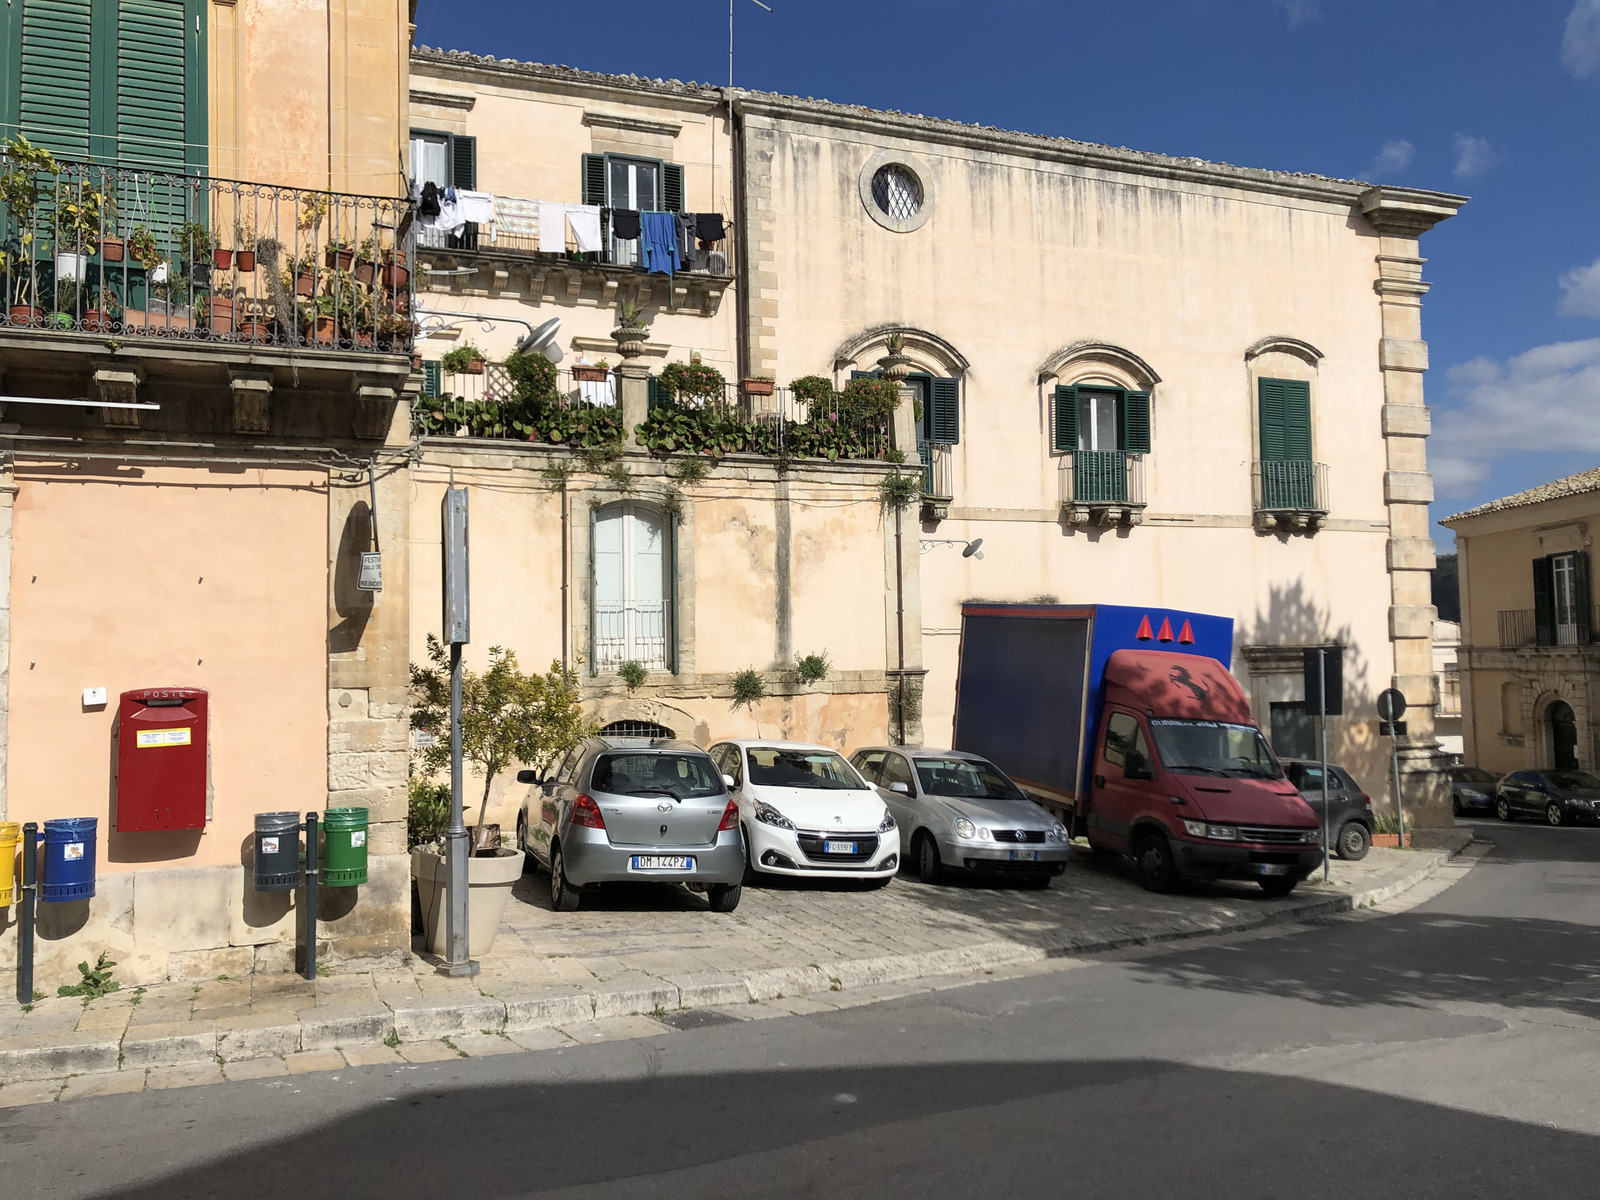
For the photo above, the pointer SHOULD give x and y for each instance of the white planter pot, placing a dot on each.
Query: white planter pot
(72, 265)
(158, 273)
(489, 884)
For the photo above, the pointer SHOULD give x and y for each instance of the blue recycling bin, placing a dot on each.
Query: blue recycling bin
(67, 872)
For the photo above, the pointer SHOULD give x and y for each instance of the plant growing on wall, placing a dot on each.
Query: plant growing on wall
(748, 688)
(812, 668)
(95, 981)
(506, 716)
(688, 470)
(899, 490)
(633, 674)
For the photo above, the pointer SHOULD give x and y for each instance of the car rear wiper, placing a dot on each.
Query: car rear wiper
(652, 792)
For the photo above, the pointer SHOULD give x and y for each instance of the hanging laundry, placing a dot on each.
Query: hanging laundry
(625, 224)
(477, 207)
(428, 205)
(450, 219)
(515, 218)
(685, 234)
(659, 234)
(585, 222)
(709, 227)
(552, 228)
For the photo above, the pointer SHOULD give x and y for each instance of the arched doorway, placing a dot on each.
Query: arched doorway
(1563, 737)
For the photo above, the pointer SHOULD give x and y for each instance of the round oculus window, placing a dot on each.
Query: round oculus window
(897, 191)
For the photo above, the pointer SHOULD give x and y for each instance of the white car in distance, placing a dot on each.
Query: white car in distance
(807, 812)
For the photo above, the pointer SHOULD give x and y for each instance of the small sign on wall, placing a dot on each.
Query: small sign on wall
(371, 577)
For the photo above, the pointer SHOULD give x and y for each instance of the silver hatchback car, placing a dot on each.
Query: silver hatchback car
(628, 809)
(959, 811)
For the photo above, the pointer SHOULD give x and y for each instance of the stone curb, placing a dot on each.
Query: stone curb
(323, 1028)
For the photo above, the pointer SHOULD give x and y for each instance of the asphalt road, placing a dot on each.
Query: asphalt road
(1445, 1051)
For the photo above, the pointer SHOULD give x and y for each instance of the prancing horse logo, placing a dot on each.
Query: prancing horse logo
(1180, 676)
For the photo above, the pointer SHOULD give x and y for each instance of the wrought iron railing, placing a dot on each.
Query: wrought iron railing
(109, 251)
(1289, 485)
(1109, 477)
(1519, 627)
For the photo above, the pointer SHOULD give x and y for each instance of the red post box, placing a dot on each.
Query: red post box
(161, 759)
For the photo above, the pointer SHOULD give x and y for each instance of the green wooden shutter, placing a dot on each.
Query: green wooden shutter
(1136, 422)
(654, 393)
(1544, 601)
(944, 396)
(671, 187)
(464, 174)
(1297, 418)
(1065, 439)
(151, 94)
(673, 521)
(1582, 600)
(1274, 443)
(594, 179)
(54, 80)
(433, 378)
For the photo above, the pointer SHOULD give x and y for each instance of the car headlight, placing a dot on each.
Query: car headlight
(1060, 833)
(1311, 835)
(768, 815)
(1472, 794)
(965, 828)
(1195, 828)
(983, 834)
(885, 825)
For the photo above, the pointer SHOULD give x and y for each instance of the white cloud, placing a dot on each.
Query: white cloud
(1473, 155)
(1299, 11)
(1545, 399)
(1580, 44)
(1395, 156)
(1580, 291)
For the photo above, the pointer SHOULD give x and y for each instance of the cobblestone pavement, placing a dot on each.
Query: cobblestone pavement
(629, 962)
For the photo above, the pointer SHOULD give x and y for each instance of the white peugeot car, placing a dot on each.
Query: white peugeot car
(807, 812)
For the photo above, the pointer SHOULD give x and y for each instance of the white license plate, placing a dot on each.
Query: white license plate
(661, 862)
(838, 847)
(1273, 868)
(1024, 856)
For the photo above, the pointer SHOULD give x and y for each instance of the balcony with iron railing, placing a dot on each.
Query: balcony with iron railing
(91, 253)
(513, 243)
(1521, 628)
(1289, 494)
(1102, 487)
(530, 400)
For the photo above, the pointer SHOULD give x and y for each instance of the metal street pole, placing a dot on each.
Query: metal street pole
(1322, 702)
(1399, 803)
(457, 632)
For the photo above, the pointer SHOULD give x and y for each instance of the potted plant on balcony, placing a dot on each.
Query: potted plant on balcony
(758, 385)
(21, 274)
(81, 214)
(255, 327)
(339, 254)
(391, 274)
(65, 315)
(319, 320)
(221, 308)
(104, 311)
(395, 333)
(591, 372)
(244, 245)
(464, 359)
(194, 239)
(303, 270)
(507, 717)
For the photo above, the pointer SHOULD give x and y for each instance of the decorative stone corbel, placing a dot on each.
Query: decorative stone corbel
(252, 401)
(118, 383)
(374, 411)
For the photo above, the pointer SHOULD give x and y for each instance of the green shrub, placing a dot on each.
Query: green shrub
(633, 674)
(748, 688)
(96, 981)
(900, 490)
(427, 812)
(461, 358)
(812, 668)
(691, 381)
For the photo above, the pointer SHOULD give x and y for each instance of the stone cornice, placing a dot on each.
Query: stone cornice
(629, 124)
(1407, 212)
(464, 101)
(1288, 345)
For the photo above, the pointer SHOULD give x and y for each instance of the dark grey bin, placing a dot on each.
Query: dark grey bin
(277, 851)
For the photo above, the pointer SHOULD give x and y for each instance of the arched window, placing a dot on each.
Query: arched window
(637, 729)
(632, 587)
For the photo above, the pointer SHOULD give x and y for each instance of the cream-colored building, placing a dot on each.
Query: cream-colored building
(1138, 379)
(1529, 658)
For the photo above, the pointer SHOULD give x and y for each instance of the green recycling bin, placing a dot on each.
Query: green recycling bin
(344, 847)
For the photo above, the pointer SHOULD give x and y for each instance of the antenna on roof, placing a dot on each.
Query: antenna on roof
(758, 4)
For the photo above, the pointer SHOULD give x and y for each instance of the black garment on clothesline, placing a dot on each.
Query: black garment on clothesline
(625, 224)
(708, 227)
(428, 206)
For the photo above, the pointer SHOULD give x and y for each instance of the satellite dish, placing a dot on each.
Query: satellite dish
(541, 338)
(974, 549)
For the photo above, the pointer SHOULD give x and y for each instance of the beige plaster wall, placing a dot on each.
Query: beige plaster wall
(153, 577)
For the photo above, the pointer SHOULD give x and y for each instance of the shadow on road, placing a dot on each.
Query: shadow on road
(1103, 1129)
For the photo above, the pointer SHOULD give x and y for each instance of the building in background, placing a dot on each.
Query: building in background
(1529, 656)
(1447, 721)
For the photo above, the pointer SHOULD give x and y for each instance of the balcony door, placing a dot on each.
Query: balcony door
(1288, 476)
(1562, 600)
(1099, 469)
(633, 183)
(632, 587)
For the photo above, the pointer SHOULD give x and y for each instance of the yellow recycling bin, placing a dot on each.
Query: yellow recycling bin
(10, 831)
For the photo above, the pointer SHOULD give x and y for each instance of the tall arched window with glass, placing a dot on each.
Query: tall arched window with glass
(633, 593)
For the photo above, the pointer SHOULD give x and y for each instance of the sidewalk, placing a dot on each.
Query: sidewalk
(633, 958)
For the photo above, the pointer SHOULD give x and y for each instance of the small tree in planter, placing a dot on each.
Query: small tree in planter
(507, 717)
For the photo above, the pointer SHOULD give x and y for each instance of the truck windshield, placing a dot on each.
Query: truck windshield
(965, 779)
(1214, 748)
(771, 766)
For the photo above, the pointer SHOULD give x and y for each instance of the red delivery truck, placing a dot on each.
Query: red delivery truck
(1127, 723)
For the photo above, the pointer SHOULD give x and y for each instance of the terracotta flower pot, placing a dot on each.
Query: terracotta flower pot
(220, 315)
(475, 367)
(255, 331)
(26, 314)
(324, 332)
(305, 284)
(113, 249)
(590, 374)
(364, 273)
(416, 362)
(223, 259)
(245, 260)
(1391, 840)
(395, 277)
(95, 321)
(757, 387)
(339, 260)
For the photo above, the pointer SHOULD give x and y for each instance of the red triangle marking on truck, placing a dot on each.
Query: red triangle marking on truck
(1144, 634)
(1166, 631)
(1186, 635)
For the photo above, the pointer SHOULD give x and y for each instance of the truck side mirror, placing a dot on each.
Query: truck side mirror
(528, 777)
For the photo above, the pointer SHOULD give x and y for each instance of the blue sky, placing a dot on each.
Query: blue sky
(1496, 99)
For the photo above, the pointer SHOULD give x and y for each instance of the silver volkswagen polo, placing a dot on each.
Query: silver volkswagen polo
(958, 811)
(627, 809)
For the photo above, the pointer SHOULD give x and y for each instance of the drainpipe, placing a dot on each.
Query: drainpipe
(900, 628)
(741, 206)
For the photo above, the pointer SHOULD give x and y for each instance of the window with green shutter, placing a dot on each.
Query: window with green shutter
(117, 81)
(1287, 472)
(1100, 427)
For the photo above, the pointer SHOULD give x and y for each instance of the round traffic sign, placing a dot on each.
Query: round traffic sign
(1391, 704)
